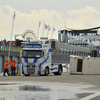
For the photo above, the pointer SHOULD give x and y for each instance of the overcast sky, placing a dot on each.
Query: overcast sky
(76, 14)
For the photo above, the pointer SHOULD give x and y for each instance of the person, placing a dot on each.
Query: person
(13, 67)
(6, 69)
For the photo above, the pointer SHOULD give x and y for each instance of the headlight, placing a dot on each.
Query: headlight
(36, 64)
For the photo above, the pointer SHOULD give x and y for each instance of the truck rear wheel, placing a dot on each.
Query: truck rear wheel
(59, 71)
(46, 71)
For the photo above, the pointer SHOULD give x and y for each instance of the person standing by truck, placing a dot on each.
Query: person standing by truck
(13, 67)
(6, 69)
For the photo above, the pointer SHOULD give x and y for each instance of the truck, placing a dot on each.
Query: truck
(40, 57)
(47, 56)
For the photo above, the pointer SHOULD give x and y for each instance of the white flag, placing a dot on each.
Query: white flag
(93, 42)
(63, 32)
(59, 31)
(68, 34)
(97, 43)
(53, 29)
(14, 15)
(88, 41)
(49, 28)
(73, 36)
(76, 37)
(83, 39)
(39, 23)
(80, 38)
(46, 26)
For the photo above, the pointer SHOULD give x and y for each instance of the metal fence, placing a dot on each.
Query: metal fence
(63, 51)
(13, 48)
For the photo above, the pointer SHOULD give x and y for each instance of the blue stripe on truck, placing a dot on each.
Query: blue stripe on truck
(35, 60)
(25, 59)
(49, 50)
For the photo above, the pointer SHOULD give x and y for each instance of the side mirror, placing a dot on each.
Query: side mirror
(42, 54)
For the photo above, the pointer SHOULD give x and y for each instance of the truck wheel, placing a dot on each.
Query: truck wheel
(46, 71)
(27, 74)
(59, 71)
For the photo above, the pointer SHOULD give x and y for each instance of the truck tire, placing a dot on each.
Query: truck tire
(59, 71)
(46, 71)
(27, 74)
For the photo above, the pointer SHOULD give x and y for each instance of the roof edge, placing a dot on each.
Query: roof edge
(83, 29)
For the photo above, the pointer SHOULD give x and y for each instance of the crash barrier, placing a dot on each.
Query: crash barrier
(13, 48)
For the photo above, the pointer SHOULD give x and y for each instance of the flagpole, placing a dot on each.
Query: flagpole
(43, 31)
(52, 33)
(48, 30)
(38, 31)
(53, 29)
(11, 35)
(47, 33)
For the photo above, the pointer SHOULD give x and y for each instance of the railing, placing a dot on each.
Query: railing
(13, 48)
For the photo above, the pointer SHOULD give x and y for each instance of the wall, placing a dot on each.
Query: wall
(91, 66)
(4, 56)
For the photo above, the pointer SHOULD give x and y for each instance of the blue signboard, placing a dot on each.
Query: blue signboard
(33, 46)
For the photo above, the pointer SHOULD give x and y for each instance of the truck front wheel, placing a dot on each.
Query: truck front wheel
(27, 74)
(46, 71)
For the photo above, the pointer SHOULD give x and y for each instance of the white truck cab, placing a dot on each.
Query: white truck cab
(37, 59)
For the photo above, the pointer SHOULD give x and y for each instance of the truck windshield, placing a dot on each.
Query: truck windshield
(31, 53)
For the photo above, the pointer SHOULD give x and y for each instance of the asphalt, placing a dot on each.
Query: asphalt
(64, 78)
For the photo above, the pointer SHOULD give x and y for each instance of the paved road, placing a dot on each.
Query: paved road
(65, 77)
(90, 80)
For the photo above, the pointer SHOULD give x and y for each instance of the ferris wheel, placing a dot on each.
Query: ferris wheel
(27, 34)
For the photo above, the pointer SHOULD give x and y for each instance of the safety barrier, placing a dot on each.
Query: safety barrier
(13, 48)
